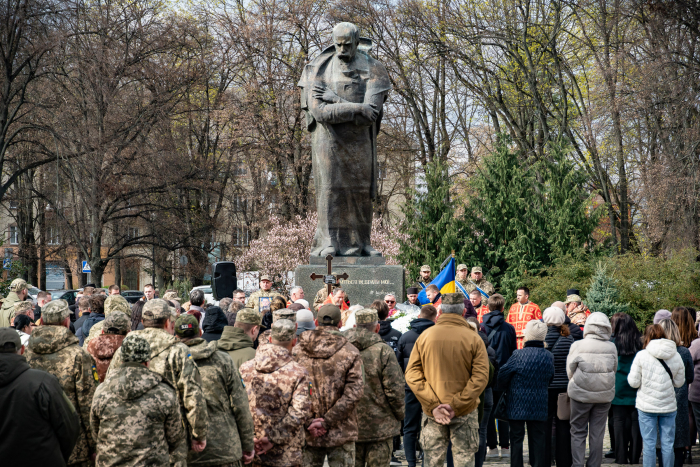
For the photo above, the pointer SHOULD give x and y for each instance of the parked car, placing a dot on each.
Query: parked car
(67, 295)
(33, 291)
(132, 296)
(208, 294)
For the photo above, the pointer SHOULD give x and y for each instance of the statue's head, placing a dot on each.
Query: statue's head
(346, 37)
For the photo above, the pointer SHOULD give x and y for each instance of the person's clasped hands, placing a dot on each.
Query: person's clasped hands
(443, 414)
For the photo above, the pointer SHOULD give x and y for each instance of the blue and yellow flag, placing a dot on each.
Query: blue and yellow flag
(445, 282)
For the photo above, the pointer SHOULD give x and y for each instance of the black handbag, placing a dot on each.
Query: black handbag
(500, 412)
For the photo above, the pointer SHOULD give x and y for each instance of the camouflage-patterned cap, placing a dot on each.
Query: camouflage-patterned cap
(18, 285)
(135, 349)
(21, 307)
(171, 296)
(366, 316)
(461, 266)
(117, 303)
(284, 313)
(425, 267)
(117, 323)
(477, 269)
(453, 299)
(55, 312)
(284, 330)
(156, 309)
(265, 277)
(187, 326)
(249, 316)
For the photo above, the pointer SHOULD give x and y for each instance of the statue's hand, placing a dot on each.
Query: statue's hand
(370, 112)
(325, 94)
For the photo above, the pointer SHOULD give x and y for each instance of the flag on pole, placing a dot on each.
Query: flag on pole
(445, 282)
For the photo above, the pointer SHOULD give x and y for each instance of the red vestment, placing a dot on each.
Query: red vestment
(481, 311)
(519, 315)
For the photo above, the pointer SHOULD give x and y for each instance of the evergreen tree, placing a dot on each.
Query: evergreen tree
(603, 295)
(430, 227)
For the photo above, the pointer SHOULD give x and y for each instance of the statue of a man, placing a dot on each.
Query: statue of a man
(343, 91)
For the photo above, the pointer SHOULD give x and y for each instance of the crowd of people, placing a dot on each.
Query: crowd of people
(274, 380)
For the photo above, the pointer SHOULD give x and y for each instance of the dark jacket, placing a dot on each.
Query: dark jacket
(526, 377)
(559, 346)
(493, 359)
(624, 393)
(408, 340)
(390, 335)
(574, 329)
(469, 309)
(213, 324)
(39, 426)
(78, 324)
(91, 320)
(503, 340)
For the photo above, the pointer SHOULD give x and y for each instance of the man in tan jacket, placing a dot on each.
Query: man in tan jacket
(447, 372)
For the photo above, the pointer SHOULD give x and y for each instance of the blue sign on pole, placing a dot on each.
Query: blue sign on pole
(7, 263)
(86, 267)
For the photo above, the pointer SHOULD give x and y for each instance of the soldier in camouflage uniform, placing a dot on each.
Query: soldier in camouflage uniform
(335, 368)
(278, 393)
(424, 279)
(18, 292)
(238, 339)
(172, 360)
(231, 436)
(265, 293)
(462, 275)
(478, 279)
(21, 308)
(54, 349)
(103, 347)
(135, 416)
(284, 313)
(381, 409)
(112, 303)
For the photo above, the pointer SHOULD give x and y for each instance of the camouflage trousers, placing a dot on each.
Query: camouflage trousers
(338, 456)
(374, 453)
(462, 431)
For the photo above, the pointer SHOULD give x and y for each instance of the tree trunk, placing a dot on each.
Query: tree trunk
(117, 265)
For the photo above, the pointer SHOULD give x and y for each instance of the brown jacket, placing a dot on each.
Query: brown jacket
(448, 365)
(335, 370)
(102, 350)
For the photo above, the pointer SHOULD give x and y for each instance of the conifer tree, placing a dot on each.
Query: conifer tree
(603, 294)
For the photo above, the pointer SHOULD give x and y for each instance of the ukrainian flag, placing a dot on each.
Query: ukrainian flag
(445, 282)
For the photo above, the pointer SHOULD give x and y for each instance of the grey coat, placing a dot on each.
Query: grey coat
(592, 363)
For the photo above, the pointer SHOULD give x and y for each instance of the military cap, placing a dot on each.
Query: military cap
(477, 269)
(187, 326)
(284, 313)
(9, 336)
(453, 299)
(572, 298)
(412, 291)
(328, 315)
(117, 323)
(156, 309)
(248, 316)
(55, 312)
(366, 316)
(461, 266)
(425, 267)
(18, 285)
(117, 303)
(265, 277)
(171, 296)
(21, 307)
(135, 349)
(284, 330)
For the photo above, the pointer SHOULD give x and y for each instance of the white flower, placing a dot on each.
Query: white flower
(403, 322)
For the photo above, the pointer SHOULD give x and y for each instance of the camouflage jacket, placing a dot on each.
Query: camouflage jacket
(381, 408)
(135, 418)
(254, 299)
(55, 350)
(95, 331)
(335, 369)
(483, 284)
(421, 284)
(102, 350)
(171, 359)
(227, 403)
(278, 393)
(320, 297)
(7, 307)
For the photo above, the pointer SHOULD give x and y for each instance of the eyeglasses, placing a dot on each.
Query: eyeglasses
(390, 301)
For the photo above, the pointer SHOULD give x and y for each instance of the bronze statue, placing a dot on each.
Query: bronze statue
(343, 91)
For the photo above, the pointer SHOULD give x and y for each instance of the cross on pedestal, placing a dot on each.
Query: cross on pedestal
(329, 279)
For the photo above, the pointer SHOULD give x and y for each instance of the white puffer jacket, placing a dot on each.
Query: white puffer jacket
(656, 394)
(592, 363)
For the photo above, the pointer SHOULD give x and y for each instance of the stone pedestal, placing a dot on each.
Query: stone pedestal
(366, 282)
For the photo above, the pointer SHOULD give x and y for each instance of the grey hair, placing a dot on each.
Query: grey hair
(354, 30)
(457, 309)
(335, 291)
(197, 297)
(294, 289)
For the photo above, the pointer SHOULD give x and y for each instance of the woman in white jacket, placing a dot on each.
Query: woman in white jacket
(656, 398)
